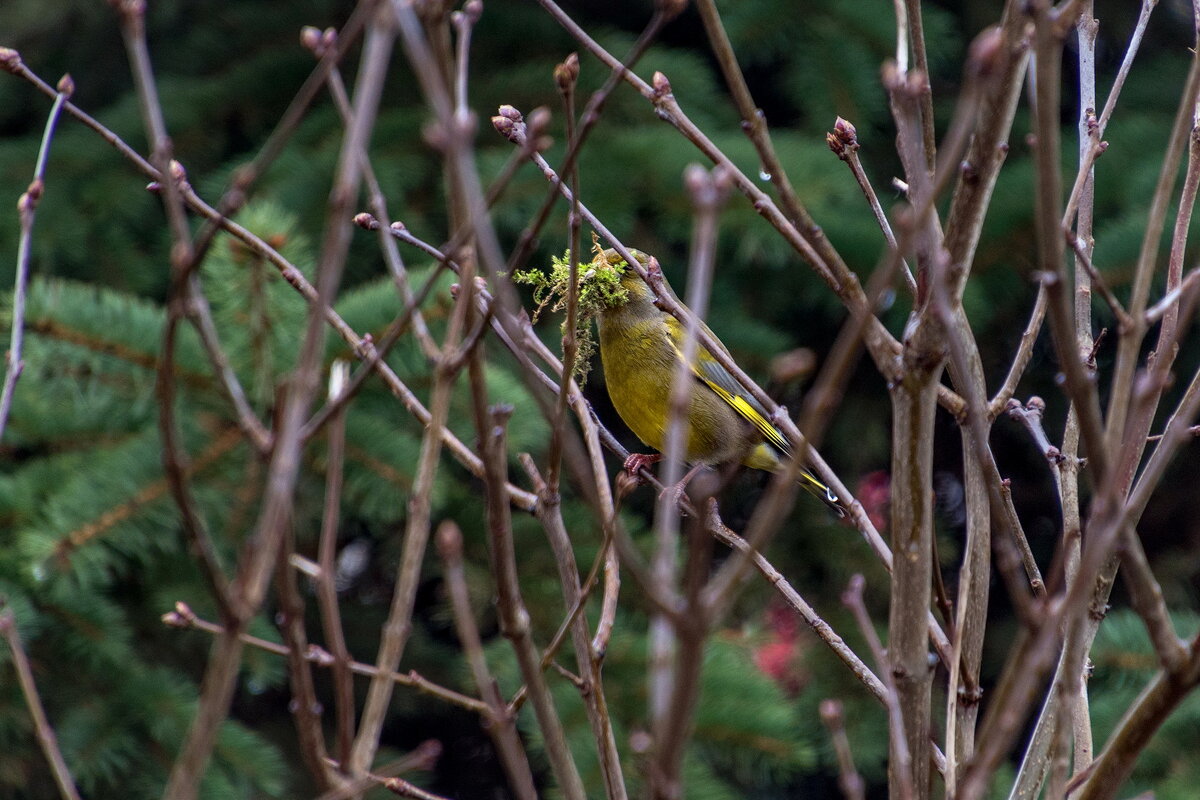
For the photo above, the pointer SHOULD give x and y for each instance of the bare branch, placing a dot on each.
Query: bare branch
(41, 724)
(27, 212)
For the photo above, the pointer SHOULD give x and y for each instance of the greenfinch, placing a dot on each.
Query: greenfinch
(641, 347)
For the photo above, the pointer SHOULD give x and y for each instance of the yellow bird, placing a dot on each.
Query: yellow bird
(641, 347)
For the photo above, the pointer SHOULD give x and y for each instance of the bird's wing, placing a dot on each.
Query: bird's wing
(717, 378)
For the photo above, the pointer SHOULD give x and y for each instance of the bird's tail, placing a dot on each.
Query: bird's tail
(822, 492)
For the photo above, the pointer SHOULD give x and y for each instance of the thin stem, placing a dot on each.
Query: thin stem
(849, 781)
(501, 725)
(41, 724)
(184, 618)
(27, 212)
(900, 772)
(331, 619)
(417, 530)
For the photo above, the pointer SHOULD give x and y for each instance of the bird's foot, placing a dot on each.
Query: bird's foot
(676, 492)
(637, 461)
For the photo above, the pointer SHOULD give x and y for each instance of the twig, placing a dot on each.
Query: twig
(850, 782)
(843, 141)
(663, 13)
(1094, 152)
(182, 257)
(1160, 697)
(1173, 298)
(587, 657)
(319, 43)
(566, 76)
(195, 307)
(1129, 345)
(402, 788)
(283, 471)
(902, 767)
(1030, 417)
(921, 65)
(27, 211)
(501, 725)
(1146, 597)
(424, 757)
(331, 619)
(819, 626)
(306, 709)
(676, 643)
(514, 617)
(41, 724)
(417, 530)
(1021, 358)
(184, 618)
(818, 251)
(1077, 384)
(1097, 280)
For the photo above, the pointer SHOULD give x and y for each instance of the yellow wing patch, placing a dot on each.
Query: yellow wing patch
(739, 404)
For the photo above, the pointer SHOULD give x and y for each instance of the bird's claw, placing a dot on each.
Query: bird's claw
(635, 462)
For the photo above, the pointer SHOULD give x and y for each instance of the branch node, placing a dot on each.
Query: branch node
(10, 60)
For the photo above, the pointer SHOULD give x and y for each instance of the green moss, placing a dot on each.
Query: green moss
(599, 289)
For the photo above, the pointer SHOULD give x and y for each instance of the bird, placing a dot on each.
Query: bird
(641, 347)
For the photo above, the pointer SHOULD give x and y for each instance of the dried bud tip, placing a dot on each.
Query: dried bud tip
(36, 187)
(504, 126)
(696, 179)
(154, 187)
(366, 221)
(626, 484)
(509, 112)
(455, 289)
(398, 226)
(474, 10)
(1036, 403)
(319, 656)
(844, 139)
(310, 38)
(835, 144)
(66, 85)
(10, 60)
(831, 711)
(173, 620)
(722, 178)
(539, 121)
(449, 541)
(328, 38)
(566, 73)
(662, 86)
(986, 52)
(178, 173)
